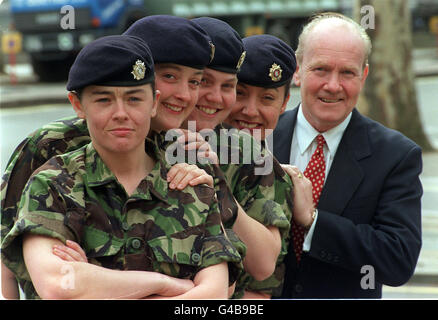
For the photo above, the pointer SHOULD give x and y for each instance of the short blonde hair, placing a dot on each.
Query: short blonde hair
(317, 18)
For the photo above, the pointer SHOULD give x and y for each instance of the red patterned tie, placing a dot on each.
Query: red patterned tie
(315, 172)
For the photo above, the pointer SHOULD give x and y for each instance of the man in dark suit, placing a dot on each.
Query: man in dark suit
(362, 220)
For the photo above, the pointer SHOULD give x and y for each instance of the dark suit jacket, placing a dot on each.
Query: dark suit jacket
(369, 214)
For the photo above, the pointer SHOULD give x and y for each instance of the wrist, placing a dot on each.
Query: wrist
(163, 282)
(312, 219)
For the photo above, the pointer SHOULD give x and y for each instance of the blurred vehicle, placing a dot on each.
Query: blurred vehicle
(54, 31)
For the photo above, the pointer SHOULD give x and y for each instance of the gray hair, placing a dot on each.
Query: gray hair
(316, 19)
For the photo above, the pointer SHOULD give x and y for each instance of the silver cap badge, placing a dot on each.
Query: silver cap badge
(138, 70)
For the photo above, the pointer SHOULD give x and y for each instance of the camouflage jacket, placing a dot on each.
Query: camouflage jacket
(75, 196)
(284, 196)
(257, 182)
(264, 191)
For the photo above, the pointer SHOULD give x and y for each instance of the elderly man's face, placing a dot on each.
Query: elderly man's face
(331, 76)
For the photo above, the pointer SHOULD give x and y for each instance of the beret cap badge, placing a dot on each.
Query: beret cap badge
(138, 70)
(275, 72)
(242, 58)
(212, 51)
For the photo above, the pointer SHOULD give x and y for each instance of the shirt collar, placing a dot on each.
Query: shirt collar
(306, 134)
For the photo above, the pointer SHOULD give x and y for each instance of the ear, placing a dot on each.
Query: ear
(155, 103)
(284, 105)
(296, 77)
(365, 74)
(77, 105)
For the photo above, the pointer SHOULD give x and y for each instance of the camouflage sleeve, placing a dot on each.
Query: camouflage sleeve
(12, 181)
(41, 211)
(253, 182)
(283, 196)
(226, 202)
(52, 139)
(217, 245)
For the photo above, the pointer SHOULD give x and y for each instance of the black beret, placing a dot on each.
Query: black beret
(115, 60)
(269, 62)
(174, 40)
(229, 53)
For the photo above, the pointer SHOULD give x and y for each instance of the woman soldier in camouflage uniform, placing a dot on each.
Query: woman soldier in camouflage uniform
(262, 95)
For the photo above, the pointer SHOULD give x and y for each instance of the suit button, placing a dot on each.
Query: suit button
(336, 259)
(298, 288)
(322, 254)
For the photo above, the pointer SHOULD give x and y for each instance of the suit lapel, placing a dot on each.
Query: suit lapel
(346, 173)
(282, 139)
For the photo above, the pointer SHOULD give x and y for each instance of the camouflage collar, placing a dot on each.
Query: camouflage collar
(97, 172)
(158, 175)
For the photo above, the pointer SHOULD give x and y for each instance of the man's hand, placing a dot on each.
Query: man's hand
(303, 199)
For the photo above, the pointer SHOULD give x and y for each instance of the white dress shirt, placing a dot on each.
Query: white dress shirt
(303, 147)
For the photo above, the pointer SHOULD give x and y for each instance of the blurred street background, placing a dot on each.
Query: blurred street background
(32, 86)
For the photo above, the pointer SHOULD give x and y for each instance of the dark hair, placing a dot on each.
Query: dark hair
(78, 93)
(287, 88)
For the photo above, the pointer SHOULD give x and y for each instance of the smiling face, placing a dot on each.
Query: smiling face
(257, 108)
(217, 95)
(179, 87)
(118, 118)
(330, 75)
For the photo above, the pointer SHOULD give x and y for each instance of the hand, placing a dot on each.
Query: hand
(174, 286)
(255, 295)
(71, 251)
(182, 174)
(205, 153)
(231, 290)
(303, 199)
(171, 286)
